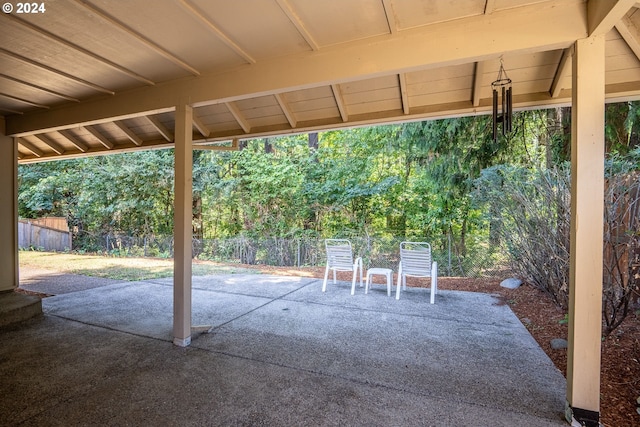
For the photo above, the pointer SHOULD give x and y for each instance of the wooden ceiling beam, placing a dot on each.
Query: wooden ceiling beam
(129, 133)
(51, 144)
(145, 41)
(561, 72)
(23, 101)
(298, 23)
(291, 118)
(489, 7)
(234, 146)
(237, 114)
(392, 22)
(100, 137)
(404, 94)
(337, 95)
(40, 88)
(73, 46)
(407, 50)
(200, 126)
(73, 140)
(477, 82)
(630, 34)
(164, 131)
(603, 15)
(30, 147)
(195, 11)
(25, 60)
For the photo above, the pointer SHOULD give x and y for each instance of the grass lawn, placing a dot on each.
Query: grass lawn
(131, 269)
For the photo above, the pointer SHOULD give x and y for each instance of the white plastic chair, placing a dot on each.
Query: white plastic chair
(340, 258)
(415, 261)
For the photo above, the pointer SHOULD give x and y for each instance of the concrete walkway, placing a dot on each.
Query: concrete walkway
(281, 353)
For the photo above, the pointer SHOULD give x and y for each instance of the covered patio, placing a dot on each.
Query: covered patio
(96, 77)
(281, 352)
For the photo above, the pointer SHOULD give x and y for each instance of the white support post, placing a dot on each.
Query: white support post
(8, 211)
(182, 226)
(587, 208)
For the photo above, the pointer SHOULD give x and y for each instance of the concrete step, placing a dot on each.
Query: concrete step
(16, 307)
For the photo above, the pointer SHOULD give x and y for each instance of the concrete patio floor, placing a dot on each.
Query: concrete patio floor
(281, 353)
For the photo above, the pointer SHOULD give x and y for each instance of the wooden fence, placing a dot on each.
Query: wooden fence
(45, 238)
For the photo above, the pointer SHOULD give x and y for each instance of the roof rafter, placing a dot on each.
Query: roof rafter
(489, 7)
(291, 118)
(150, 44)
(630, 34)
(202, 128)
(561, 72)
(100, 137)
(128, 132)
(404, 94)
(477, 82)
(40, 88)
(29, 146)
(53, 70)
(217, 31)
(51, 144)
(73, 140)
(298, 23)
(24, 101)
(237, 114)
(602, 15)
(166, 133)
(75, 47)
(392, 22)
(337, 94)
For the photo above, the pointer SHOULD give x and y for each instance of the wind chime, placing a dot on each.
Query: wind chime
(502, 85)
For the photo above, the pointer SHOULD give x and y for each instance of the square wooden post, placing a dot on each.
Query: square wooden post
(8, 211)
(587, 216)
(182, 226)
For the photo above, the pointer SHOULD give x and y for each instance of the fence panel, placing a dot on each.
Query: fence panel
(36, 236)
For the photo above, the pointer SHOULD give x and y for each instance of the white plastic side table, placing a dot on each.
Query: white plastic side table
(382, 272)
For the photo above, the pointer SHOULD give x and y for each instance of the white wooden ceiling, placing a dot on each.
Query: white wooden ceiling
(94, 76)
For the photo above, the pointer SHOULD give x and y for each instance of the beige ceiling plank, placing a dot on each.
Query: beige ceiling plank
(603, 15)
(298, 23)
(29, 146)
(202, 128)
(23, 101)
(561, 72)
(100, 137)
(408, 50)
(40, 88)
(217, 31)
(53, 70)
(477, 82)
(129, 133)
(391, 16)
(128, 30)
(489, 7)
(404, 93)
(164, 131)
(73, 140)
(337, 94)
(291, 118)
(237, 114)
(77, 48)
(51, 144)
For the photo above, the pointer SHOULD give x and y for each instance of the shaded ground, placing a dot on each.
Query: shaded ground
(620, 376)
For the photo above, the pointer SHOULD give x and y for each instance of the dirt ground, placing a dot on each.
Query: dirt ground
(620, 375)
